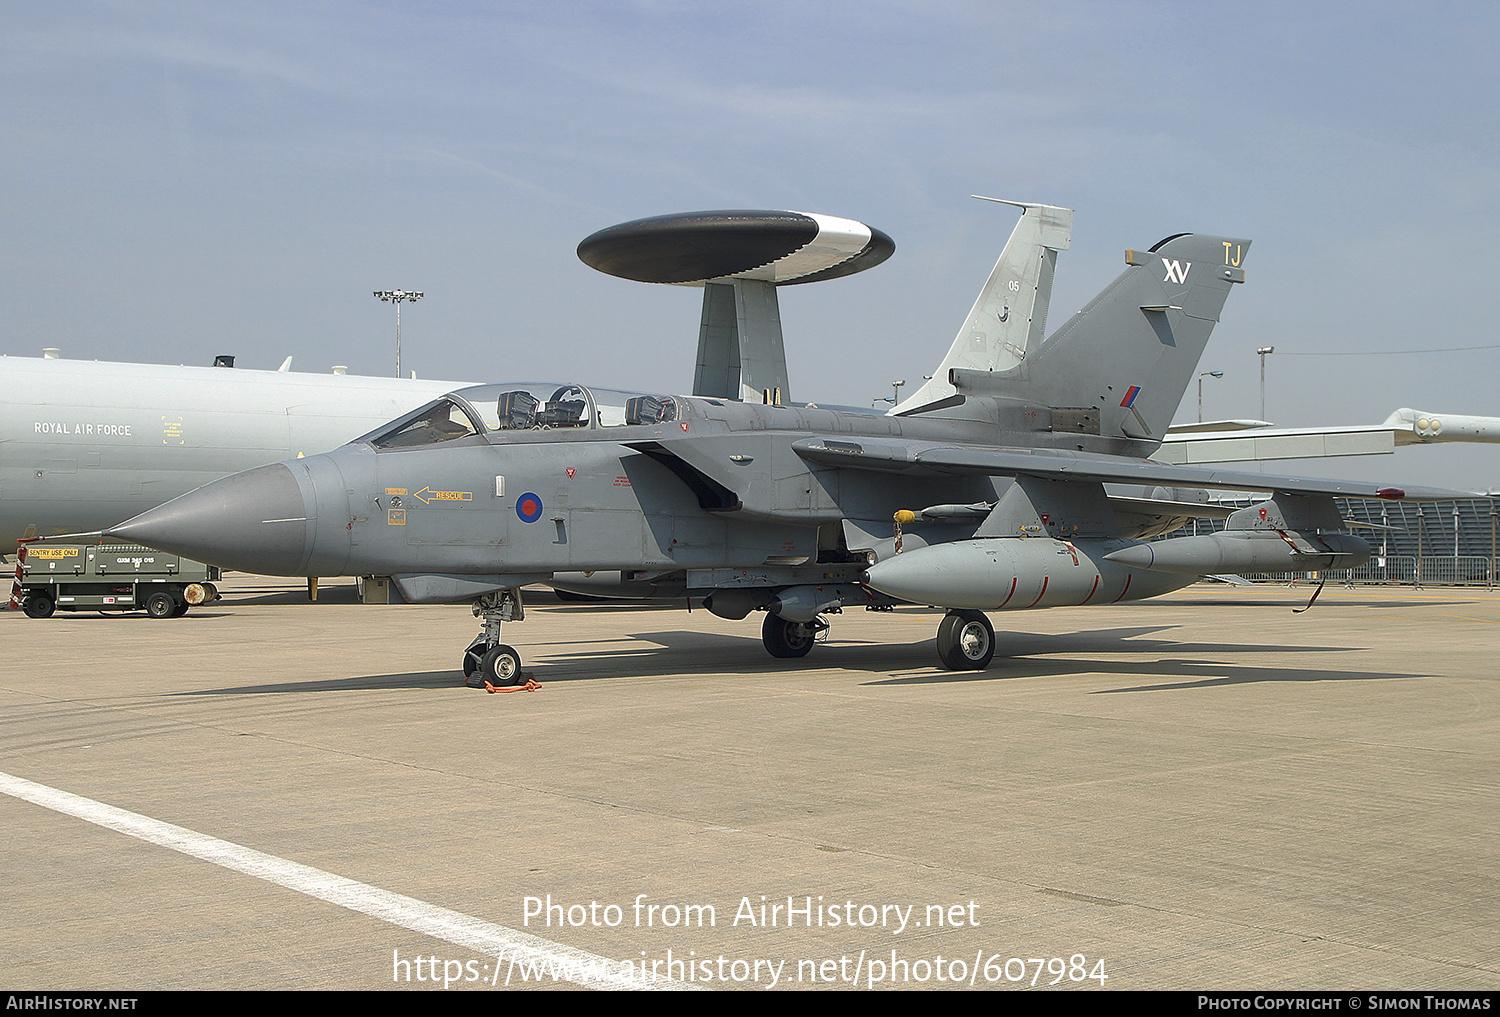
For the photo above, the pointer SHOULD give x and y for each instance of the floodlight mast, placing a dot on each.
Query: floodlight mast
(1262, 354)
(395, 297)
(1201, 376)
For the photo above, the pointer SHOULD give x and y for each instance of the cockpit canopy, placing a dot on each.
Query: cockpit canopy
(524, 407)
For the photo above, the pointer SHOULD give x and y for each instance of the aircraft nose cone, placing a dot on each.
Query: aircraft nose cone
(254, 521)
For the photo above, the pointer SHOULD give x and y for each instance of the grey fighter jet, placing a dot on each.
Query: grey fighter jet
(991, 496)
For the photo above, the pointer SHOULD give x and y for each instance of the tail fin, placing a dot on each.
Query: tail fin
(1130, 354)
(1010, 316)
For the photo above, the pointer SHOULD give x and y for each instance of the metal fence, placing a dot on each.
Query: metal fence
(1444, 543)
(1399, 570)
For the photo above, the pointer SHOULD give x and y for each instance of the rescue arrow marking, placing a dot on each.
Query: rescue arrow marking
(428, 495)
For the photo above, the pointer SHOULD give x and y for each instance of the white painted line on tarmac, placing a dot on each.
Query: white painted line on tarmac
(524, 957)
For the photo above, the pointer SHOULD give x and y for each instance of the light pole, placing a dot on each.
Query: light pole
(395, 297)
(1263, 351)
(1201, 376)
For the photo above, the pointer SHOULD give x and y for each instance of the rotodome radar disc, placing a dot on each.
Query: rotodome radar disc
(698, 247)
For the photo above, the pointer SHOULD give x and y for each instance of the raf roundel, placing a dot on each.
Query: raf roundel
(693, 248)
(529, 507)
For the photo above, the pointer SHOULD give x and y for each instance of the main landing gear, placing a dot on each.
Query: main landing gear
(488, 661)
(785, 638)
(966, 641)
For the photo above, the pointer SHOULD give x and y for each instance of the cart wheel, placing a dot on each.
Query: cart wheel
(39, 605)
(160, 604)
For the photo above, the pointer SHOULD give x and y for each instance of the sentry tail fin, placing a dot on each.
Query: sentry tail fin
(740, 349)
(1010, 316)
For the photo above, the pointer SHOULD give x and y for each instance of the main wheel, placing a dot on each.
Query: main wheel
(501, 666)
(966, 641)
(39, 605)
(787, 639)
(160, 604)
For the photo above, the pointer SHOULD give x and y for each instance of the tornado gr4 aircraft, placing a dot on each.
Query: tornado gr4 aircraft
(990, 497)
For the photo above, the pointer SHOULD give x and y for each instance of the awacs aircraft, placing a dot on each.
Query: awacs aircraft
(991, 497)
(1226, 441)
(85, 443)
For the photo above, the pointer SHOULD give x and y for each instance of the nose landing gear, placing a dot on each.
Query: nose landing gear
(488, 662)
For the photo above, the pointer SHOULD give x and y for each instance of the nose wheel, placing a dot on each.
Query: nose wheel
(498, 665)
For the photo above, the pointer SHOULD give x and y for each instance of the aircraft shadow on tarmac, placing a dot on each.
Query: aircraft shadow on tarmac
(682, 653)
(1014, 659)
(361, 683)
(1196, 674)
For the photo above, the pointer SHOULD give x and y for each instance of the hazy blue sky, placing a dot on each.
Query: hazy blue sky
(179, 180)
